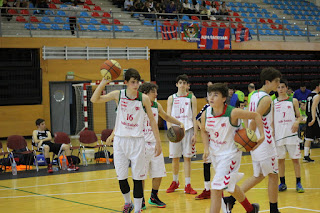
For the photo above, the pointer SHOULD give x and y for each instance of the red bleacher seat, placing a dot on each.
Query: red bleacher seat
(89, 2)
(57, 1)
(105, 21)
(240, 25)
(176, 23)
(273, 26)
(230, 19)
(34, 19)
(21, 19)
(24, 12)
(53, 6)
(233, 26)
(97, 8)
(116, 21)
(214, 24)
(223, 24)
(205, 24)
(208, 3)
(167, 23)
(280, 27)
(195, 18)
(235, 14)
(238, 20)
(95, 14)
(217, 3)
(107, 15)
(270, 21)
(262, 20)
(86, 7)
(12, 12)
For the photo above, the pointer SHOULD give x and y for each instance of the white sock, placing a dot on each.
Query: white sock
(137, 204)
(176, 178)
(207, 185)
(188, 180)
(127, 198)
(306, 151)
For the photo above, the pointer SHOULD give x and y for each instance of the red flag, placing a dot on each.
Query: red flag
(169, 32)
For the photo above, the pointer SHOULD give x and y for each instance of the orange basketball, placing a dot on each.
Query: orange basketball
(175, 134)
(245, 139)
(110, 69)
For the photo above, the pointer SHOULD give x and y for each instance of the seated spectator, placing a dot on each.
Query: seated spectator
(223, 9)
(147, 9)
(204, 11)
(232, 98)
(290, 92)
(179, 6)
(195, 7)
(302, 93)
(212, 8)
(159, 9)
(171, 8)
(187, 7)
(138, 5)
(41, 4)
(41, 138)
(4, 10)
(151, 4)
(128, 5)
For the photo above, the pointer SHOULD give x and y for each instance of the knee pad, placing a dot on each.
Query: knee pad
(124, 186)
(137, 190)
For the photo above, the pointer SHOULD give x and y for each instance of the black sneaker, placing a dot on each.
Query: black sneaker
(229, 201)
(143, 205)
(256, 208)
(307, 159)
(154, 200)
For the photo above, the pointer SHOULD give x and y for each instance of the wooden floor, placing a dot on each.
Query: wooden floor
(98, 191)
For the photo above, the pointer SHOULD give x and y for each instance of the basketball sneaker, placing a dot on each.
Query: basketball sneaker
(174, 185)
(256, 208)
(307, 159)
(143, 205)
(128, 207)
(204, 195)
(72, 167)
(50, 170)
(299, 188)
(154, 200)
(229, 201)
(189, 190)
(282, 187)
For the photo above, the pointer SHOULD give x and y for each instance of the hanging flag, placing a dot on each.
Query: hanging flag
(215, 38)
(168, 32)
(190, 32)
(242, 34)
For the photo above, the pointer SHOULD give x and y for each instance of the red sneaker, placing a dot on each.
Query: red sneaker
(204, 195)
(174, 185)
(189, 190)
(73, 168)
(50, 170)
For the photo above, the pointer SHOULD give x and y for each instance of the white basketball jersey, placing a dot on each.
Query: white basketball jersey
(267, 148)
(284, 117)
(182, 110)
(148, 133)
(221, 131)
(130, 116)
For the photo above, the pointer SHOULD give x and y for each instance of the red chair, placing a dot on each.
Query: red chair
(116, 21)
(214, 24)
(12, 12)
(89, 2)
(105, 21)
(57, 1)
(53, 6)
(18, 146)
(240, 25)
(176, 23)
(223, 25)
(20, 19)
(24, 12)
(273, 27)
(195, 18)
(34, 19)
(208, 3)
(235, 14)
(238, 20)
(106, 14)
(86, 7)
(262, 20)
(95, 14)
(270, 21)
(166, 22)
(233, 26)
(88, 137)
(230, 19)
(97, 8)
(205, 24)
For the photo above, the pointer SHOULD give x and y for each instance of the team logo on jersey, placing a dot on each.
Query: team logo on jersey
(154, 114)
(216, 134)
(186, 103)
(137, 108)
(289, 107)
(223, 125)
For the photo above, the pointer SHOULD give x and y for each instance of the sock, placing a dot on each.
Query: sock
(176, 178)
(137, 204)
(247, 205)
(306, 151)
(127, 198)
(207, 185)
(298, 180)
(283, 180)
(154, 192)
(48, 161)
(188, 180)
(274, 208)
(232, 199)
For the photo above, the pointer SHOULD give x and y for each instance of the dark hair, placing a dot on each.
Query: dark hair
(132, 73)
(183, 77)
(314, 84)
(219, 87)
(147, 87)
(284, 81)
(238, 103)
(39, 121)
(269, 74)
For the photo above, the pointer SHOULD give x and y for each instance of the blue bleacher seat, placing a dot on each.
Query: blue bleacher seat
(249, 10)
(254, 5)
(147, 23)
(264, 10)
(285, 21)
(91, 27)
(136, 15)
(278, 21)
(241, 9)
(296, 17)
(61, 13)
(239, 4)
(268, 32)
(103, 28)
(293, 33)
(157, 23)
(63, 6)
(310, 18)
(49, 12)
(290, 7)
(276, 6)
(84, 14)
(58, 20)
(255, 27)
(126, 28)
(287, 12)
(259, 15)
(29, 26)
(115, 27)
(306, 13)
(303, 17)
(82, 28)
(254, 20)
(252, 32)
(299, 12)
(282, 7)
(94, 21)
(287, 33)
(296, 8)
(257, 10)
(317, 18)
(66, 27)
(314, 23)
(313, 13)
(31, 5)
(55, 27)
(251, 15)
(307, 23)
(266, 15)
(246, 5)
(42, 26)
(266, 2)
(249, 26)
(45, 19)
(276, 32)
(232, 4)
(246, 20)
(296, 27)
(265, 27)
(185, 17)
(274, 16)
(82, 21)
(243, 15)
(318, 29)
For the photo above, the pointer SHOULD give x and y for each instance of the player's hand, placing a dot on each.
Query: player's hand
(105, 81)
(311, 122)
(259, 142)
(205, 155)
(109, 140)
(157, 150)
(182, 127)
(194, 140)
(295, 127)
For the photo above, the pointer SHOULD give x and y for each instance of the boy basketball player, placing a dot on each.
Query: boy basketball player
(155, 165)
(286, 123)
(264, 158)
(129, 144)
(313, 119)
(219, 124)
(182, 106)
(41, 138)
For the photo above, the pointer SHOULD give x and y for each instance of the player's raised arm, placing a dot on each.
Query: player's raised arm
(154, 126)
(98, 98)
(169, 109)
(168, 118)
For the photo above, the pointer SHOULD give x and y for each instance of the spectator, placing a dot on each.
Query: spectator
(128, 5)
(240, 95)
(205, 11)
(4, 10)
(158, 9)
(212, 8)
(187, 7)
(232, 98)
(251, 89)
(73, 9)
(290, 92)
(223, 9)
(179, 6)
(41, 4)
(195, 7)
(302, 93)
(147, 9)
(138, 5)
(171, 8)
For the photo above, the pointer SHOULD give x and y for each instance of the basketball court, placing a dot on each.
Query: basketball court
(95, 189)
